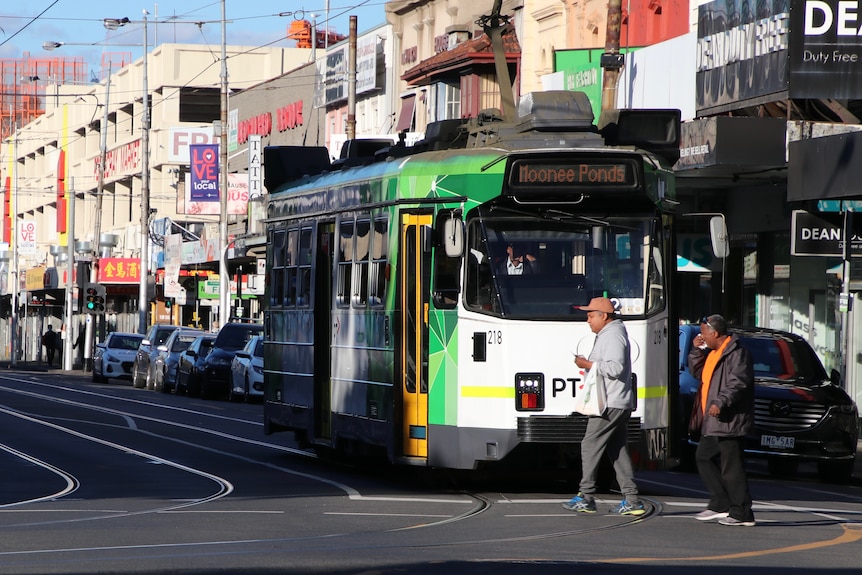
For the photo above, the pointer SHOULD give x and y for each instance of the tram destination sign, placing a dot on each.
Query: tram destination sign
(822, 235)
(560, 173)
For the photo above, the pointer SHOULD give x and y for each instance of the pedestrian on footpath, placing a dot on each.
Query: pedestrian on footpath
(49, 340)
(607, 433)
(723, 413)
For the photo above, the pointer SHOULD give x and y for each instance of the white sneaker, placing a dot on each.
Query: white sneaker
(709, 515)
(735, 522)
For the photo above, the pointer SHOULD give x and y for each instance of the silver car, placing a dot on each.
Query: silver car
(114, 357)
(247, 371)
(156, 336)
(163, 365)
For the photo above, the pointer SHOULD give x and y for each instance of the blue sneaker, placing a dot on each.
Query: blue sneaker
(580, 504)
(626, 508)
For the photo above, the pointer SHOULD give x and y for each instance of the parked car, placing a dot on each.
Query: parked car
(190, 365)
(231, 338)
(247, 371)
(163, 366)
(156, 336)
(800, 412)
(114, 357)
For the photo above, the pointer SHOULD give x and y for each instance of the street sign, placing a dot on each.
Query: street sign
(821, 235)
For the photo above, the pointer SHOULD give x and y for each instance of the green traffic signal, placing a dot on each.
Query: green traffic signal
(94, 300)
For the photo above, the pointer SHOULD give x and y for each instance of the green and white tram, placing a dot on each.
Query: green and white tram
(394, 323)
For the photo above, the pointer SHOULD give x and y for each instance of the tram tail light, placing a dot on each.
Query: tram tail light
(529, 391)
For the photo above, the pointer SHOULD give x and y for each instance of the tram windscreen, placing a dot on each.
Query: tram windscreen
(536, 267)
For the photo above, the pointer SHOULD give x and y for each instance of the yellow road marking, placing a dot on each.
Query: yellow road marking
(852, 533)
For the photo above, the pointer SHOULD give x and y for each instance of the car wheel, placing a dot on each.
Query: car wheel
(178, 388)
(137, 381)
(835, 471)
(166, 386)
(96, 378)
(193, 385)
(151, 378)
(204, 390)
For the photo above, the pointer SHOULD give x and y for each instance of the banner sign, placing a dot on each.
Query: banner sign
(119, 271)
(825, 50)
(204, 172)
(821, 235)
(27, 237)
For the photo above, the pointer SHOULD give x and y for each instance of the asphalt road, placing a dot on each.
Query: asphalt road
(103, 478)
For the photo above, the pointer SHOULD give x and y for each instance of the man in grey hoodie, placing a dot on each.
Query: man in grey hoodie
(611, 358)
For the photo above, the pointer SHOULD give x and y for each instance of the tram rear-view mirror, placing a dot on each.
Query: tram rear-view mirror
(453, 237)
(718, 236)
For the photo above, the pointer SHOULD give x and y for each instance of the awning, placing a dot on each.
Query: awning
(686, 265)
(405, 118)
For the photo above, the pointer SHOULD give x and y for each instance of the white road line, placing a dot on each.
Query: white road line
(71, 483)
(225, 487)
(390, 514)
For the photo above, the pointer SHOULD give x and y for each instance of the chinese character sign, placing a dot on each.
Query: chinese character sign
(119, 270)
(204, 172)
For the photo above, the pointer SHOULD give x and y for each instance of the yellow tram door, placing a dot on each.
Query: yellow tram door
(415, 288)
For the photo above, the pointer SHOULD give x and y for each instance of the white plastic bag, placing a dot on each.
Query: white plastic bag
(591, 397)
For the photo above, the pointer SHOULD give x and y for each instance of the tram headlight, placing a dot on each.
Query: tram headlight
(529, 391)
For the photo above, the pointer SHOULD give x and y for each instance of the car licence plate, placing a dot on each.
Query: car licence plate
(777, 441)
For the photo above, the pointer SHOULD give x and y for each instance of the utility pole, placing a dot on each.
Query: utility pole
(70, 276)
(351, 81)
(612, 61)
(89, 337)
(224, 278)
(143, 303)
(16, 288)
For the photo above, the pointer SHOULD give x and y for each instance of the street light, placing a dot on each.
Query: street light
(114, 24)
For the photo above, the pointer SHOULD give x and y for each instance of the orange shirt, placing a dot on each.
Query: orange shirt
(708, 369)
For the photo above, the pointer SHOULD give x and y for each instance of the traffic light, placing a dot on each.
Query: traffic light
(94, 298)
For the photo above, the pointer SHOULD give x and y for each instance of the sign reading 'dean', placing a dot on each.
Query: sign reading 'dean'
(204, 172)
(822, 235)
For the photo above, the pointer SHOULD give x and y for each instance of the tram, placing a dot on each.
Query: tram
(423, 301)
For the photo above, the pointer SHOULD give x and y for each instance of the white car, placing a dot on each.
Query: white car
(246, 371)
(113, 358)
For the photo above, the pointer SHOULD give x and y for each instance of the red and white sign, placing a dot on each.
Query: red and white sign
(119, 270)
(182, 138)
(27, 237)
(237, 198)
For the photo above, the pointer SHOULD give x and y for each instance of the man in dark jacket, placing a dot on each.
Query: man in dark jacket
(726, 401)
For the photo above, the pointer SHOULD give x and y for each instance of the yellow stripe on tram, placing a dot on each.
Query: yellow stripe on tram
(652, 392)
(499, 391)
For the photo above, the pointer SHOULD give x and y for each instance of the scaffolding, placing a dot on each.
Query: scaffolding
(300, 30)
(24, 82)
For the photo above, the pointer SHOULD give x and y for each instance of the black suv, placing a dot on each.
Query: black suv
(801, 413)
(231, 338)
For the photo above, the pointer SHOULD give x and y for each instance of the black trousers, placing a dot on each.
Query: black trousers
(720, 463)
(50, 353)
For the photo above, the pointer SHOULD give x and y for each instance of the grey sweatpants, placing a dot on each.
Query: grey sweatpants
(608, 434)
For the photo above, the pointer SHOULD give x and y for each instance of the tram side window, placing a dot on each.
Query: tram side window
(379, 258)
(479, 292)
(360, 270)
(290, 270)
(303, 289)
(345, 262)
(276, 246)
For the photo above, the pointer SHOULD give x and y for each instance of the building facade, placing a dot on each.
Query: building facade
(54, 162)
